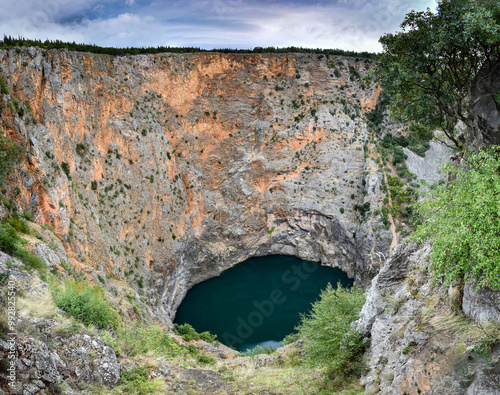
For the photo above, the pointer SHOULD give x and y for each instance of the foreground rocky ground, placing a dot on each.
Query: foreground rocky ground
(56, 354)
(418, 341)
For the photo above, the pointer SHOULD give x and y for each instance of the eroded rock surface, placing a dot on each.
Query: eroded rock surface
(164, 170)
(420, 343)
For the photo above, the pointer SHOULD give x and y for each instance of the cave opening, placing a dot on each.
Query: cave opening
(257, 302)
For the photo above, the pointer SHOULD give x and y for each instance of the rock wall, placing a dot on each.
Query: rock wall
(420, 341)
(486, 109)
(161, 171)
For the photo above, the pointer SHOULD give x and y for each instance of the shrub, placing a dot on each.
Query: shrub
(399, 156)
(12, 244)
(462, 220)
(363, 209)
(8, 238)
(291, 338)
(85, 303)
(187, 332)
(29, 216)
(135, 381)
(111, 342)
(260, 350)
(354, 74)
(141, 340)
(18, 224)
(4, 89)
(330, 339)
(81, 149)
(205, 359)
(65, 168)
(10, 154)
(208, 337)
(93, 185)
(4, 277)
(30, 261)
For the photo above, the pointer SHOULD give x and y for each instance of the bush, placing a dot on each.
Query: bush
(330, 339)
(10, 154)
(29, 216)
(4, 89)
(85, 303)
(111, 342)
(81, 149)
(135, 382)
(462, 220)
(187, 332)
(30, 261)
(18, 224)
(65, 168)
(291, 338)
(8, 238)
(399, 156)
(208, 337)
(141, 340)
(205, 359)
(260, 350)
(363, 209)
(4, 277)
(12, 244)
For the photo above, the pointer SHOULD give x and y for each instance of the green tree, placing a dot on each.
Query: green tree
(462, 220)
(10, 154)
(427, 69)
(331, 341)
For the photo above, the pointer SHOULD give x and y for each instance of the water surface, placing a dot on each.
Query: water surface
(257, 302)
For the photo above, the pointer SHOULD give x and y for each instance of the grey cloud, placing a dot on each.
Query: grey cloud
(348, 24)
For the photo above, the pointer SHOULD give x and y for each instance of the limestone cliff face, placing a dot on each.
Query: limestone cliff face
(184, 165)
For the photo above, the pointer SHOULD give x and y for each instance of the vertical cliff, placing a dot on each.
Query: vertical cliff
(160, 171)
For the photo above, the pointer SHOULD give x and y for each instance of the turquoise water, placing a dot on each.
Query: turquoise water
(257, 302)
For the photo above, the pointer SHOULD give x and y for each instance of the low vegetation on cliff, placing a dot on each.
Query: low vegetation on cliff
(10, 153)
(462, 218)
(331, 341)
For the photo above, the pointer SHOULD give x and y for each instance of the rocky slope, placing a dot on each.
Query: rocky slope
(160, 171)
(421, 341)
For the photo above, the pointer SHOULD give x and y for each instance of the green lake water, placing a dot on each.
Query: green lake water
(257, 302)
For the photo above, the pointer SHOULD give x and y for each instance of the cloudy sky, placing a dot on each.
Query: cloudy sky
(346, 24)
